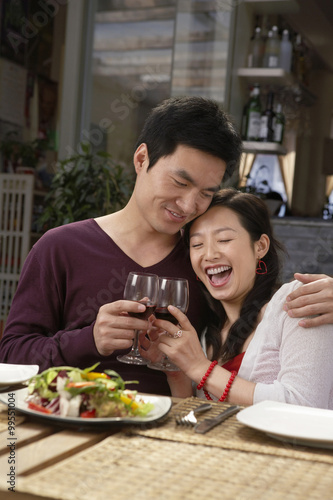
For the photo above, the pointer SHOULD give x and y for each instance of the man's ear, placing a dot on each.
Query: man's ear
(141, 158)
(263, 245)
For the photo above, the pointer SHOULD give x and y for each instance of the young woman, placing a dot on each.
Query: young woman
(251, 349)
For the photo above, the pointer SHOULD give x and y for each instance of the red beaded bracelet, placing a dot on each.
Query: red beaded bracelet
(205, 377)
(226, 390)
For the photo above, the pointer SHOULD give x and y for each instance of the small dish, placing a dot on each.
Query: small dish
(295, 424)
(11, 374)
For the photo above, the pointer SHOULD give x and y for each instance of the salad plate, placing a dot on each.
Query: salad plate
(162, 406)
(295, 424)
(16, 374)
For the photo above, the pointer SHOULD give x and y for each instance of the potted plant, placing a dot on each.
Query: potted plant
(85, 185)
(18, 155)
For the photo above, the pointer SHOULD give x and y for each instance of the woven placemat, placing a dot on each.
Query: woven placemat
(231, 434)
(123, 467)
(4, 418)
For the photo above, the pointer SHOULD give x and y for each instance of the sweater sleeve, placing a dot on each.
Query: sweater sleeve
(34, 331)
(292, 364)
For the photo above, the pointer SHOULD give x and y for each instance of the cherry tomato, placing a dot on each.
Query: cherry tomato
(88, 414)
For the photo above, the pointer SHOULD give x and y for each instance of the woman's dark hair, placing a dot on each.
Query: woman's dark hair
(254, 217)
(191, 121)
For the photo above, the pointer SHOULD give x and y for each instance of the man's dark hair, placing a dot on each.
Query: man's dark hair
(195, 122)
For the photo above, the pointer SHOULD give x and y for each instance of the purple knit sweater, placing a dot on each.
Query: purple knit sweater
(69, 273)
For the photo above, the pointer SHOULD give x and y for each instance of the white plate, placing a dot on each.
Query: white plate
(292, 423)
(16, 374)
(162, 406)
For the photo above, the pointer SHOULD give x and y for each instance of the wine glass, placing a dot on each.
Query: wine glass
(143, 288)
(174, 292)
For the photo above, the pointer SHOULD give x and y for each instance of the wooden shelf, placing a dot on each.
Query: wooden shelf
(273, 6)
(278, 77)
(270, 148)
(266, 76)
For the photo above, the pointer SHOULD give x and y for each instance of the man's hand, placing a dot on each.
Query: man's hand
(315, 297)
(114, 328)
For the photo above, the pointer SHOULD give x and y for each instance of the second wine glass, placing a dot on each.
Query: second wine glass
(171, 292)
(140, 287)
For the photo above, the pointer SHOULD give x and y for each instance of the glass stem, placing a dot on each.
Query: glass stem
(165, 360)
(135, 346)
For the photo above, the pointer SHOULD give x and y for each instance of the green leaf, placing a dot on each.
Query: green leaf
(86, 185)
(91, 368)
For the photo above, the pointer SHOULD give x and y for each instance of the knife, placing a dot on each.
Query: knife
(208, 424)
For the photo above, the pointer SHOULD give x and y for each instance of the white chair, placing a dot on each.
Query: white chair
(16, 198)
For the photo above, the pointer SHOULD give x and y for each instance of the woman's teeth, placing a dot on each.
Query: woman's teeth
(218, 275)
(217, 270)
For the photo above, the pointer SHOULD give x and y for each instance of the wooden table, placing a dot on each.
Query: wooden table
(159, 461)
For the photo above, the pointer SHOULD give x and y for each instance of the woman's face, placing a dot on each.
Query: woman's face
(223, 255)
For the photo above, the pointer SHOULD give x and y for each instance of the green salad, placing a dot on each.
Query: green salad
(69, 391)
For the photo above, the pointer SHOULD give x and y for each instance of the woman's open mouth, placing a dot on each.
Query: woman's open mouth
(219, 275)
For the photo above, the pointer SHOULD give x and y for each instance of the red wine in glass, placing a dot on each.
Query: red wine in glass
(141, 288)
(163, 313)
(175, 292)
(150, 308)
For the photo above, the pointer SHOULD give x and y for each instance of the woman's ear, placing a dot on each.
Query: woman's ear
(262, 246)
(141, 158)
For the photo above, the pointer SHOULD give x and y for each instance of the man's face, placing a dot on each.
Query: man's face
(178, 188)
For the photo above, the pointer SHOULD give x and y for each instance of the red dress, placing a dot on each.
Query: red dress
(234, 363)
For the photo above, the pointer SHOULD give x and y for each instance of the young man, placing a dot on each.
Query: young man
(68, 308)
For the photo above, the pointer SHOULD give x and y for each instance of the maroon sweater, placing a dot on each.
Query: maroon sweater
(69, 273)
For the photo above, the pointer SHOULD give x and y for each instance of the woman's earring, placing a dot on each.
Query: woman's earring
(198, 279)
(262, 268)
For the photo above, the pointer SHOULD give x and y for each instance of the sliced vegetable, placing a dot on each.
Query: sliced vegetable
(79, 385)
(88, 414)
(125, 399)
(95, 375)
(36, 407)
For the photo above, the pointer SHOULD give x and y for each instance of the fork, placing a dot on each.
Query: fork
(190, 418)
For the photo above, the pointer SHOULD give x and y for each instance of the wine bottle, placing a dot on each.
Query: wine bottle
(256, 50)
(278, 124)
(286, 51)
(266, 121)
(272, 49)
(299, 63)
(253, 115)
(244, 123)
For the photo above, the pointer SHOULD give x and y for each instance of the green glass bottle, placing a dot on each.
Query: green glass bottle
(266, 124)
(253, 115)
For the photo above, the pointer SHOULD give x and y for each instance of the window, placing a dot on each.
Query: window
(144, 52)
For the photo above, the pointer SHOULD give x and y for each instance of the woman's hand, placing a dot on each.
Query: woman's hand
(149, 344)
(315, 297)
(185, 350)
(180, 385)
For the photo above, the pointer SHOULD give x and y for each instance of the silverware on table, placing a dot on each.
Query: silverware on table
(190, 418)
(208, 424)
